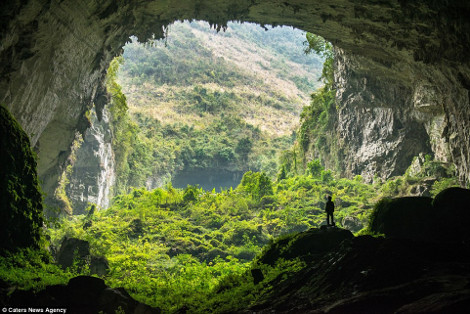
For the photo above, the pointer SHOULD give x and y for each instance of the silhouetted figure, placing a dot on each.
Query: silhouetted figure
(329, 208)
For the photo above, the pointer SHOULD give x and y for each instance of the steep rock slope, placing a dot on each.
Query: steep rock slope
(54, 56)
(93, 171)
(422, 265)
(382, 126)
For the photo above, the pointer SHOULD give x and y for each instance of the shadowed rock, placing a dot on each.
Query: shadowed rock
(375, 275)
(83, 294)
(404, 217)
(452, 208)
(77, 251)
(443, 219)
(72, 249)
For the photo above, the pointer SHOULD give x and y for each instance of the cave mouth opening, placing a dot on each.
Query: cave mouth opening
(202, 106)
(411, 42)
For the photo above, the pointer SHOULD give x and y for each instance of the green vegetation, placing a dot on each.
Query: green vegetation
(32, 269)
(189, 247)
(60, 193)
(184, 243)
(316, 132)
(424, 174)
(131, 148)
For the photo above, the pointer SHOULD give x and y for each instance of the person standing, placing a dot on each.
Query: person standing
(329, 208)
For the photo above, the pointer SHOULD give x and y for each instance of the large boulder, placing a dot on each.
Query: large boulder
(352, 223)
(76, 251)
(404, 217)
(98, 265)
(452, 207)
(72, 249)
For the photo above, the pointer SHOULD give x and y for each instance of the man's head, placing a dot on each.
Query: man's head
(329, 197)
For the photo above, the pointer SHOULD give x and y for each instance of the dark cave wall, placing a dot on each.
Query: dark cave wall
(54, 55)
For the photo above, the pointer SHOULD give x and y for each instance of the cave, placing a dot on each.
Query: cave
(402, 78)
(402, 70)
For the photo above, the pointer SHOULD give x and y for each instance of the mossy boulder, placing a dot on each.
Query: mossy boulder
(403, 217)
(21, 218)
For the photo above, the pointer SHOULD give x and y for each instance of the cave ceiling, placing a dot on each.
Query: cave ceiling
(54, 56)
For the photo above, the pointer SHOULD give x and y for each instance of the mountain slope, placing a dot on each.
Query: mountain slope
(241, 90)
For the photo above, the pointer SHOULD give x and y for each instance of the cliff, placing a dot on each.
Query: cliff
(93, 171)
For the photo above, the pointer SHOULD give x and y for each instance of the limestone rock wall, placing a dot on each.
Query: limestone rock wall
(93, 171)
(54, 54)
(379, 130)
(53, 59)
(383, 121)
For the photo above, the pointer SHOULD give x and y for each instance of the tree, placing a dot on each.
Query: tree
(257, 185)
(282, 173)
(190, 193)
(244, 147)
(314, 168)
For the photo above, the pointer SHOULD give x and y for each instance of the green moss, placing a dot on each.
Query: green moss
(21, 217)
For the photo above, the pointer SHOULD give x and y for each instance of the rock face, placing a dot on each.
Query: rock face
(309, 244)
(379, 129)
(21, 207)
(408, 69)
(93, 171)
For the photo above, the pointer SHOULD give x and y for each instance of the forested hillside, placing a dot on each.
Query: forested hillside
(210, 105)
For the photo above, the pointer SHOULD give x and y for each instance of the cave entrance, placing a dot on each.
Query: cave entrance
(201, 107)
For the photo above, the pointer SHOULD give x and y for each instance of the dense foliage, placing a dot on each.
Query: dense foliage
(189, 247)
(183, 243)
